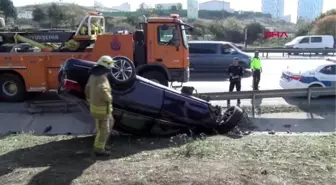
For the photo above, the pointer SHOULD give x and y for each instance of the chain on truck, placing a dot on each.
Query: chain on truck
(30, 61)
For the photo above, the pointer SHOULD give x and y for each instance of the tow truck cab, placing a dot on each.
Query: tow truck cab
(162, 44)
(160, 49)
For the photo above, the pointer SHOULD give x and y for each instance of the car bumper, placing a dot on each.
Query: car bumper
(180, 75)
(291, 84)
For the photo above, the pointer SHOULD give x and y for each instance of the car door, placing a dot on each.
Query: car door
(316, 42)
(327, 75)
(304, 43)
(227, 55)
(202, 57)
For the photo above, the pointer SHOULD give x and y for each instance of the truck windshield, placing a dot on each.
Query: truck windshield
(184, 36)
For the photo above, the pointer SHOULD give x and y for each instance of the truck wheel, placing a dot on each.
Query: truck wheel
(12, 88)
(230, 119)
(123, 73)
(156, 76)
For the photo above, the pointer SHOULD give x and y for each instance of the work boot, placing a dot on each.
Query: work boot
(102, 153)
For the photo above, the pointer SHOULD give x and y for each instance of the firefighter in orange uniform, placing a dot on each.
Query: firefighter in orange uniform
(99, 98)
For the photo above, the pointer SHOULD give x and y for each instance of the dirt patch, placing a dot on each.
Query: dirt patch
(254, 159)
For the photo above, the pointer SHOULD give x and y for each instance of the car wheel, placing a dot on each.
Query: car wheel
(123, 71)
(123, 74)
(315, 95)
(156, 76)
(230, 119)
(12, 88)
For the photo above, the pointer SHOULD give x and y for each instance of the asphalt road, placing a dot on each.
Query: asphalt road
(219, 83)
(13, 117)
(280, 56)
(270, 77)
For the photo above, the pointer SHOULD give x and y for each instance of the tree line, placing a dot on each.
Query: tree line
(224, 25)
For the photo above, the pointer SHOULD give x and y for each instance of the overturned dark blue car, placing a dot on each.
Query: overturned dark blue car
(143, 107)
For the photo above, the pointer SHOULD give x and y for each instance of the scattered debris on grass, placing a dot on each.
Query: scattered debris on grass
(254, 159)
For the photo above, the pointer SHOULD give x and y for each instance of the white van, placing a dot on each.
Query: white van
(312, 41)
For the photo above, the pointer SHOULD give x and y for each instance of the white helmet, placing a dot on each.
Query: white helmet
(106, 61)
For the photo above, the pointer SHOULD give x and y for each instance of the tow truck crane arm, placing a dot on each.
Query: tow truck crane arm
(43, 47)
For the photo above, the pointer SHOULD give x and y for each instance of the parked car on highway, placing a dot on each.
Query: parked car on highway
(311, 42)
(215, 56)
(143, 107)
(314, 74)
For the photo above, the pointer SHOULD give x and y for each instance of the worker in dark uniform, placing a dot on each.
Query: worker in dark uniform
(236, 72)
(99, 98)
(256, 70)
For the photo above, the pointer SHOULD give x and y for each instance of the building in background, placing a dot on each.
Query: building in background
(125, 7)
(215, 6)
(287, 18)
(309, 9)
(192, 9)
(168, 6)
(273, 7)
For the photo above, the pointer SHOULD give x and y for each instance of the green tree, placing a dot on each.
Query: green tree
(8, 9)
(325, 26)
(253, 31)
(173, 8)
(179, 6)
(329, 12)
(39, 14)
(200, 28)
(56, 14)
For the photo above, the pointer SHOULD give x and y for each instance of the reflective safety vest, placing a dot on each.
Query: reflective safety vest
(255, 63)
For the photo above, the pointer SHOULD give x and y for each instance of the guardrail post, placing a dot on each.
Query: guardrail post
(267, 55)
(253, 108)
(309, 96)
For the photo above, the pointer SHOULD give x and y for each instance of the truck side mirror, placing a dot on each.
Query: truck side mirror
(2, 22)
(176, 37)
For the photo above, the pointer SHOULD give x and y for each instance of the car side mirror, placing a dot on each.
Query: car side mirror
(234, 52)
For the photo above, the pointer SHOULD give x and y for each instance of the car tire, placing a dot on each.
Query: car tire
(16, 81)
(230, 119)
(315, 96)
(156, 76)
(123, 66)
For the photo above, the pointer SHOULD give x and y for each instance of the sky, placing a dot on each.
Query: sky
(245, 5)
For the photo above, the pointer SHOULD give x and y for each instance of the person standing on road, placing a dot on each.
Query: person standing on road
(256, 70)
(99, 98)
(236, 72)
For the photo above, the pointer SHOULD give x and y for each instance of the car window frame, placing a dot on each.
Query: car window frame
(304, 39)
(333, 70)
(201, 47)
(159, 35)
(312, 40)
(231, 48)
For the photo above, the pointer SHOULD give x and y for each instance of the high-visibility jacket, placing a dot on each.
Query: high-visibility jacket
(84, 30)
(98, 94)
(255, 63)
(100, 29)
(94, 29)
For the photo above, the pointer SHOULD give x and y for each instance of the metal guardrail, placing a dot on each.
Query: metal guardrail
(290, 51)
(274, 93)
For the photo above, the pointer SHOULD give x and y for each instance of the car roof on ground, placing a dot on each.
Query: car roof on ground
(207, 42)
